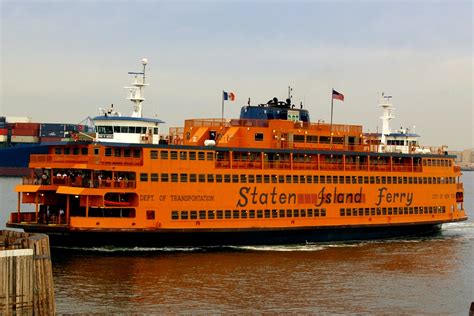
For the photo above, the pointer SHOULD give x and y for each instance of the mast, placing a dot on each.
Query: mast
(136, 91)
(387, 115)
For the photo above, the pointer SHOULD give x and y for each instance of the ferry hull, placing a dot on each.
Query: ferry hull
(177, 238)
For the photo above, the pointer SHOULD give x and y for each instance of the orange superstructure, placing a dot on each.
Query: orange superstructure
(268, 177)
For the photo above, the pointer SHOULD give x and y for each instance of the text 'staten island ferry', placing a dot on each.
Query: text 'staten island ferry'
(269, 177)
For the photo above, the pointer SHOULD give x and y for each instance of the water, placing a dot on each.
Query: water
(432, 275)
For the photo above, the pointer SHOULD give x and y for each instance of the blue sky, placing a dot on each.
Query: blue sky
(61, 61)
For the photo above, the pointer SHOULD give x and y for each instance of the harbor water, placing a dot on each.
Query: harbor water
(430, 275)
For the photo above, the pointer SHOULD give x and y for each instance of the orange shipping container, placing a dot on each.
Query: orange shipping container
(3, 131)
(35, 126)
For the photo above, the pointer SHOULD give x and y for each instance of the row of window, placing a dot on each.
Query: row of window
(392, 210)
(251, 178)
(238, 156)
(244, 214)
(125, 129)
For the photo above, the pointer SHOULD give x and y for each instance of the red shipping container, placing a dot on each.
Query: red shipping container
(27, 125)
(50, 139)
(25, 132)
(3, 131)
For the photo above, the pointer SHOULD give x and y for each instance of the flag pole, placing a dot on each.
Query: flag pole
(330, 127)
(222, 107)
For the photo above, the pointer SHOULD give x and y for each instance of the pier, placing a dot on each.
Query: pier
(26, 278)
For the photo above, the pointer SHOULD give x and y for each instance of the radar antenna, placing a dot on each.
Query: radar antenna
(136, 91)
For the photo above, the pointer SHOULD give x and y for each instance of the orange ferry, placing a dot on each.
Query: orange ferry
(269, 177)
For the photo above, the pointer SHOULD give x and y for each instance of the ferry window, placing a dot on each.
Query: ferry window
(259, 178)
(410, 209)
(209, 156)
(267, 213)
(174, 155)
(183, 177)
(192, 155)
(316, 212)
(274, 179)
(202, 214)
(236, 214)
(184, 214)
(281, 213)
(315, 179)
(202, 177)
(67, 151)
(75, 151)
(188, 135)
(367, 211)
(210, 215)
(259, 214)
(295, 179)
(164, 154)
(154, 177)
(228, 214)
(218, 178)
(266, 178)
(150, 215)
(235, 178)
(425, 181)
(251, 213)
(341, 179)
(174, 177)
(251, 178)
(127, 152)
(410, 180)
(155, 130)
(309, 179)
(183, 155)
(210, 178)
(348, 212)
(379, 211)
(405, 180)
(136, 153)
(298, 138)
(302, 179)
(193, 215)
(372, 211)
(243, 178)
(57, 151)
(116, 129)
(258, 137)
(84, 151)
(123, 129)
(395, 211)
(143, 177)
(227, 178)
(220, 214)
(415, 180)
(192, 177)
(334, 179)
(323, 212)
(288, 179)
(372, 180)
(201, 155)
(324, 140)
(174, 215)
(394, 180)
(274, 213)
(311, 139)
(366, 180)
(322, 180)
(289, 213)
(303, 213)
(244, 214)
(310, 212)
(131, 129)
(117, 152)
(154, 154)
(384, 211)
(164, 177)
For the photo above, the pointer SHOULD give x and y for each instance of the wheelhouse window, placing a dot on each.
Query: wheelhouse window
(258, 137)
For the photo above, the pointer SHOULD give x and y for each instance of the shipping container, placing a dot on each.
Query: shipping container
(27, 126)
(50, 139)
(52, 127)
(25, 132)
(3, 119)
(56, 133)
(18, 119)
(3, 125)
(3, 138)
(25, 139)
(3, 131)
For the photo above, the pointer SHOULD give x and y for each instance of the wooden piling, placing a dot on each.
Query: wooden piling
(26, 286)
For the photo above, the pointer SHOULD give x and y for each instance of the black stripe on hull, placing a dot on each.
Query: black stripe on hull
(82, 238)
